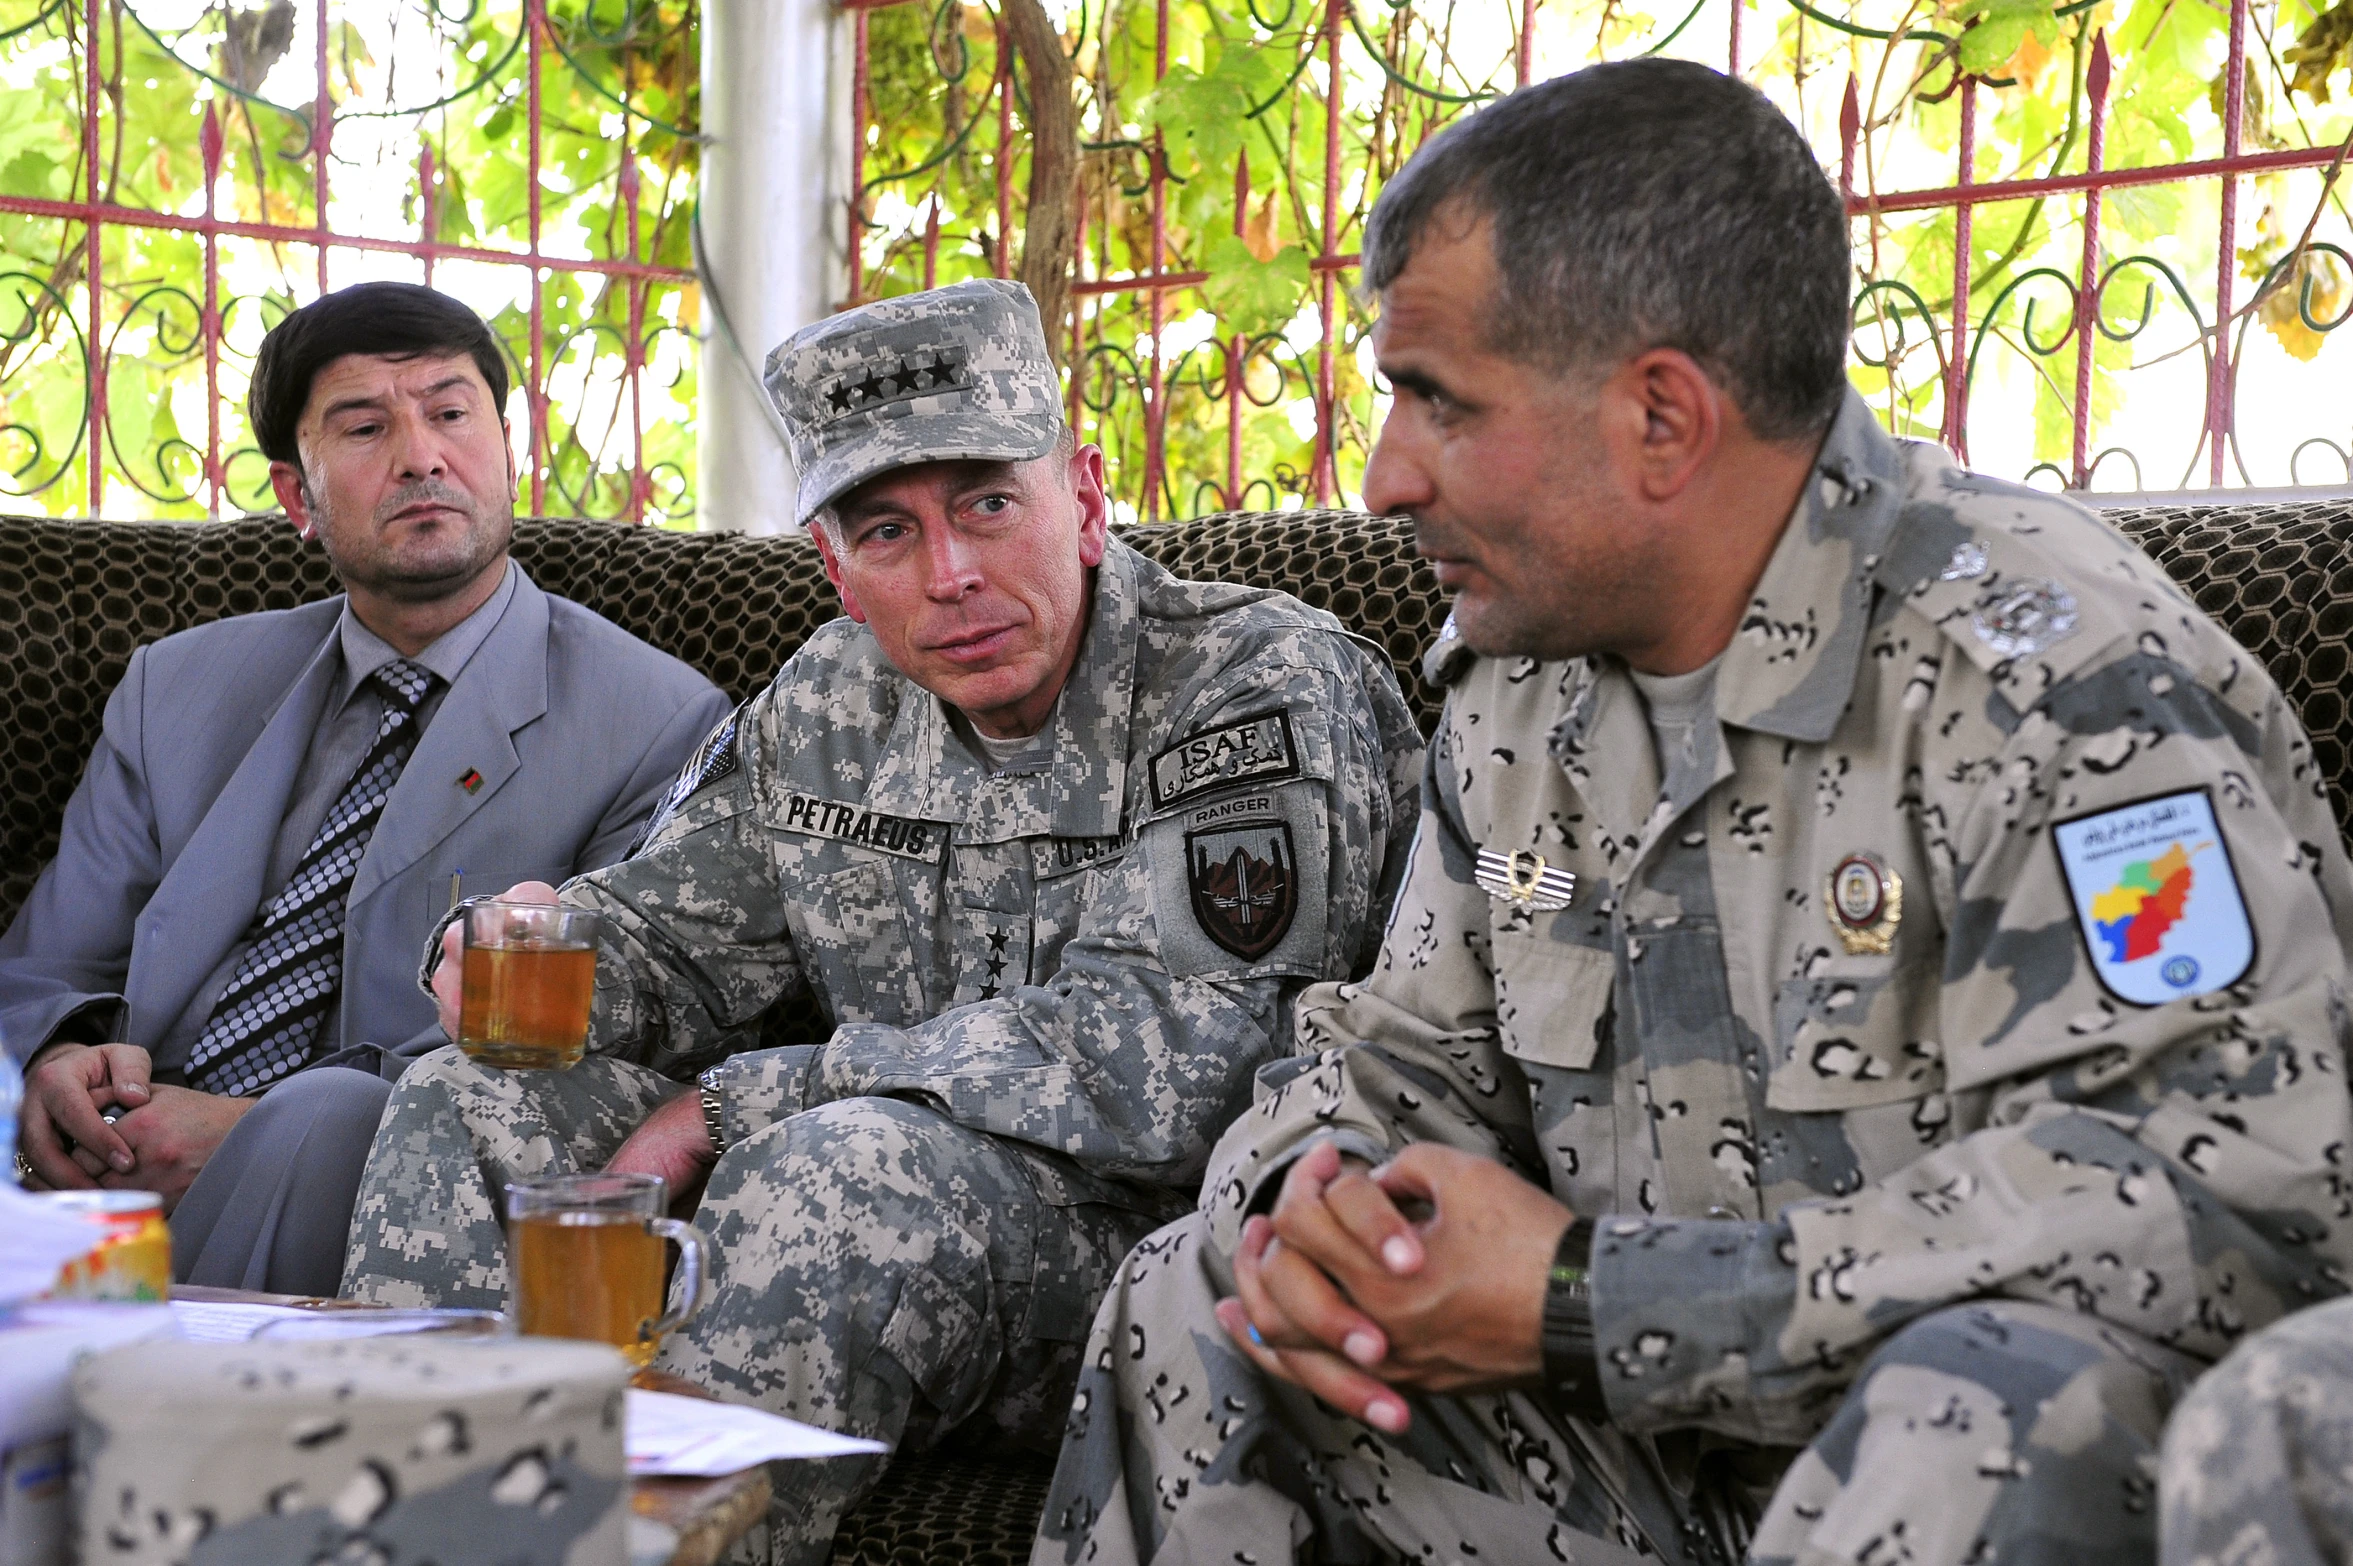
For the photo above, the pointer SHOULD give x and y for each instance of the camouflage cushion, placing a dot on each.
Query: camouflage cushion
(76, 598)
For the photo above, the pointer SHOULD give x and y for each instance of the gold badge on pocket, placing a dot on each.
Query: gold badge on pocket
(1525, 879)
(1864, 900)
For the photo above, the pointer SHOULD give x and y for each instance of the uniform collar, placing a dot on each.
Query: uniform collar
(929, 773)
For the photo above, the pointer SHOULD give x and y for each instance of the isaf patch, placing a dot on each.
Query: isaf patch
(1250, 750)
(1245, 884)
(713, 761)
(2156, 898)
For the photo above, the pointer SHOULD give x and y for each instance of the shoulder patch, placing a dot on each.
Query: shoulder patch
(2156, 898)
(713, 760)
(1245, 751)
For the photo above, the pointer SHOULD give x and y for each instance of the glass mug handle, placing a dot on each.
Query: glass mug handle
(694, 1255)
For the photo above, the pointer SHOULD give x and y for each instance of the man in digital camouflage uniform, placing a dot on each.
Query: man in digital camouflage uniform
(1054, 837)
(1863, 1024)
(2258, 1466)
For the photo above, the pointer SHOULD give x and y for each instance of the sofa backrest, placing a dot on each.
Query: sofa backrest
(76, 598)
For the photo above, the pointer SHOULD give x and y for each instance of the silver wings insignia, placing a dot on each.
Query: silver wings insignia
(1525, 879)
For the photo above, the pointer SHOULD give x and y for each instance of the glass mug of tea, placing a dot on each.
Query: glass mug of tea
(584, 1260)
(529, 975)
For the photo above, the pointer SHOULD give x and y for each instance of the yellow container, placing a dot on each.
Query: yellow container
(131, 1259)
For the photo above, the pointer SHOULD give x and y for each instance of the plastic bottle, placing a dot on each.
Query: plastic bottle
(12, 1092)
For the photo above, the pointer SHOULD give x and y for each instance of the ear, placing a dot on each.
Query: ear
(1094, 504)
(514, 472)
(1678, 415)
(833, 573)
(286, 484)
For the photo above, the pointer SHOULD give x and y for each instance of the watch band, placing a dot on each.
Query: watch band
(714, 1109)
(1572, 1371)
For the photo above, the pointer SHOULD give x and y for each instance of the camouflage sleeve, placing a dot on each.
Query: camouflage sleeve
(695, 946)
(1410, 1054)
(1133, 1054)
(2174, 1166)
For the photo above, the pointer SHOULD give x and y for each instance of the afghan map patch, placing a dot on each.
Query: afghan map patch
(2156, 898)
(1256, 747)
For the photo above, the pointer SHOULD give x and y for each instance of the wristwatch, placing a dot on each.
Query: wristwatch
(1572, 1371)
(714, 1109)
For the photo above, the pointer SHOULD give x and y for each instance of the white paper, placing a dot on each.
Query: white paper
(36, 1239)
(203, 1321)
(689, 1437)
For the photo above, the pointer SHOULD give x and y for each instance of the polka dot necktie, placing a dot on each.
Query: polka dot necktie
(266, 1022)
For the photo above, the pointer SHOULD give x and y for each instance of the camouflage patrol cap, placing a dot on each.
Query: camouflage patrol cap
(947, 374)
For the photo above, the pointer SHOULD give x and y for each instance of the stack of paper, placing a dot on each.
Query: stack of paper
(687, 1436)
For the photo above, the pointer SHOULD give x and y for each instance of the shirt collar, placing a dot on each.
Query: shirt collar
(364, 652)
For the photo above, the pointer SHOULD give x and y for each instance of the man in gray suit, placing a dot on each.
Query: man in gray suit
(214, 983)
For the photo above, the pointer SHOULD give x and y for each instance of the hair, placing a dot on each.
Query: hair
(1646, 204)
(396, 320)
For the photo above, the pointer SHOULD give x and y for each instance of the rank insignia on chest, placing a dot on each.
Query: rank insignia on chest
(1524, 879)
(1865, 901)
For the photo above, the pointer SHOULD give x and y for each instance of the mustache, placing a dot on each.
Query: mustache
(425, 492)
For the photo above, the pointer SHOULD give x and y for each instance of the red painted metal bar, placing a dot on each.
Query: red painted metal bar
(633, 361)
(535, 28)
(1236, 348)
(2087, 285)
(1327, 478)
(1524, 49)
(1732, 51)
(1956, 375)
(92, 259)
(322, 134)
(208, 143)
(1155, 414)
(931, 244)
(2234, 118)
(2106, 180)
(114, 216)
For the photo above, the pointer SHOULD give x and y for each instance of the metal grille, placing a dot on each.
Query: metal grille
(2027, 359)
(132, 233)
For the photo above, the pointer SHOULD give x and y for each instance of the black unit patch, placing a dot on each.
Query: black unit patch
(924, 840)
(1245, 885)
(1259, 746)
(716, 759)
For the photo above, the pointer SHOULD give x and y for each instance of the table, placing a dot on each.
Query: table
(692, 1520)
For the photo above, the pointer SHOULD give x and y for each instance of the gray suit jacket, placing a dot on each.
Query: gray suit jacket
(575, 726)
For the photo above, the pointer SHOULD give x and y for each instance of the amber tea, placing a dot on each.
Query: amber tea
(529, 975)
(585, 1260)
(593, 1275)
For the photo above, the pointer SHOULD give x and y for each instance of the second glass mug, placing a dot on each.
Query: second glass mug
(529, 976)
(584, 1260)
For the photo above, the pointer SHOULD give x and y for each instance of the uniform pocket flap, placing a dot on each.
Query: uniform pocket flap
(1552, 999)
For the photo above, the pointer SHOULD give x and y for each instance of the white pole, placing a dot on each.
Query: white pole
(771, 225)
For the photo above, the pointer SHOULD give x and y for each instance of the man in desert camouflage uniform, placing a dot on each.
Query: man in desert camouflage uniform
(1054, 838)
(1864, 1022)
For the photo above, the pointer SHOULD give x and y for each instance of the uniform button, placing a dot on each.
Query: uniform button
(1720, 1211)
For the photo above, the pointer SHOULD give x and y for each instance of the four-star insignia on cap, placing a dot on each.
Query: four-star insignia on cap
(899, 375)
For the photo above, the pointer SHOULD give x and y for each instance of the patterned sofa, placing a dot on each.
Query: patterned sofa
(76, 598)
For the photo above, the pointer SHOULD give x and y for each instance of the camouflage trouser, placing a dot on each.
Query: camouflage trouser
(879, 1269)
(1994, 1431)
(2259, 1459)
